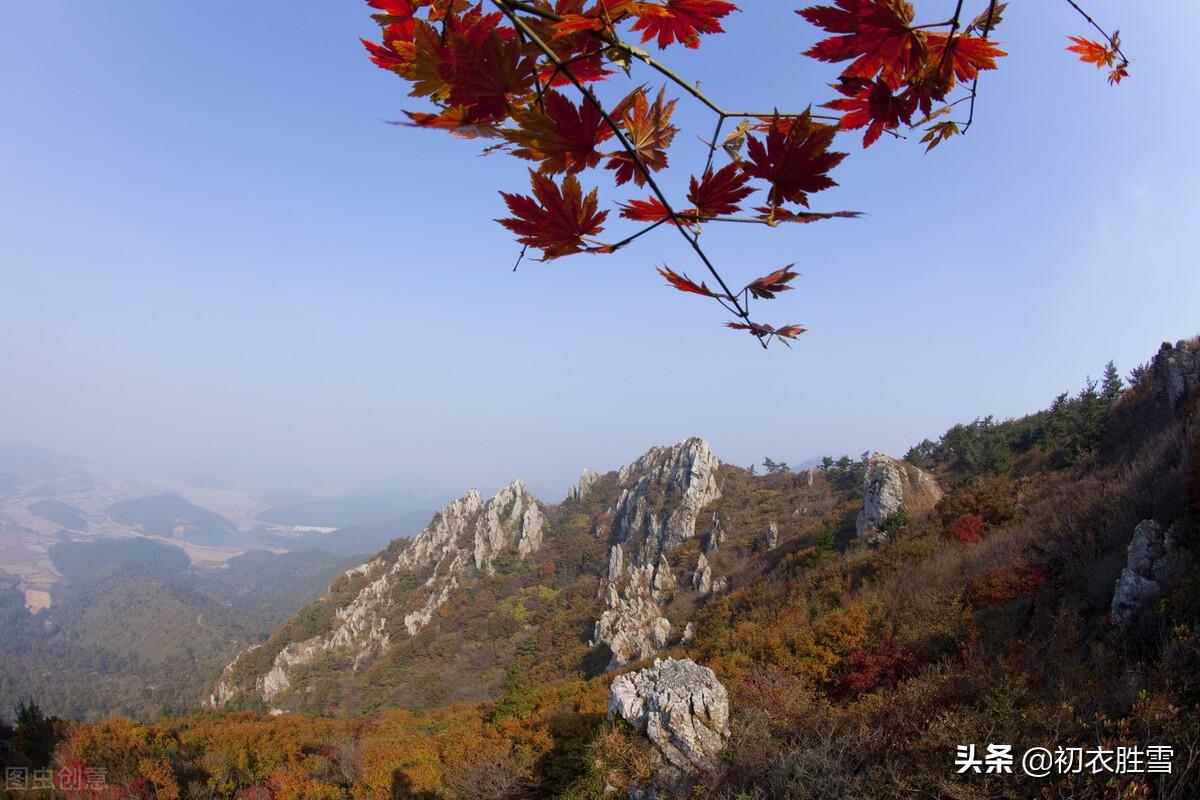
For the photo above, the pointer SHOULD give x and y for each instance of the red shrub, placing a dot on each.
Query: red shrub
(1002, 584)
(967, 529)
(883, 665)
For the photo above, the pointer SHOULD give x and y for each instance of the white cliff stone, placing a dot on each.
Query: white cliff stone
(888, 486)
(683, 709)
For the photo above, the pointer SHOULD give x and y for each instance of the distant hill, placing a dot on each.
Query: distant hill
(171, 516)
(60, 513)
(341, 512)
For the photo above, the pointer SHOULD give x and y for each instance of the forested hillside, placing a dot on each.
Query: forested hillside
(136, 631)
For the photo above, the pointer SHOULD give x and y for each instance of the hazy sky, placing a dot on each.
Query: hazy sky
(216, 258)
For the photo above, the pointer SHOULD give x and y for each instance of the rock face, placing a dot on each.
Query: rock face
(1154, 556)
(684, 710)
(467, 535)
(888, 486)
(662, 494)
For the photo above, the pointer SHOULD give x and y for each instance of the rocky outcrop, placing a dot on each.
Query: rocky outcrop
(715, 535)
(684, 710)
(580, 490)
(1153, 558)
(771, 537)
(662, 495)
(888, 486)
(467, 536)
(702, 578)
(1175, 373)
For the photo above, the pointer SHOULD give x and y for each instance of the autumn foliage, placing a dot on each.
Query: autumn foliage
(883, 665)
(528, 76)
(967, 529)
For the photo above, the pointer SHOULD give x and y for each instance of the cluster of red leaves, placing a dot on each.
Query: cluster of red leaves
(1104, 56)
(967, 529)
(501, 74)
(498, 76)
(1008, 582)
(896, 69)
(881, 666)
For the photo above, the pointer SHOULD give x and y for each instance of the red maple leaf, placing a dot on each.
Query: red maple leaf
(794, 161)
(766, 287)
(765, 331)
(556, 221)
(1092, 52)
(685, 284)
(719, 193)
(455, 120)
(474, 62)
(875, 33)
(1102, 56)
(559, 134)
(965, 57)
(679, 20)
(872, 105)
(649, 131)
(572, 24)
(779, 214)
(651, 210)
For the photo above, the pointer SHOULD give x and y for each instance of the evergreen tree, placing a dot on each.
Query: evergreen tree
(1111, 386)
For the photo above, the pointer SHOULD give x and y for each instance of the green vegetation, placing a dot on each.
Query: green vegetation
(134, 630)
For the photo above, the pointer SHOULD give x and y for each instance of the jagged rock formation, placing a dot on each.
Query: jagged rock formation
(888, 486)
(578, 491)
(1154, 556)
(467, 535)
(662, 494)
(684, 710)
(771, 537)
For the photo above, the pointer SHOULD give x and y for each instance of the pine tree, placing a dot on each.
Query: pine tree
(1111, 386)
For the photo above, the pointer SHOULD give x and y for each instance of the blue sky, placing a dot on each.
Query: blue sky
(219, 260)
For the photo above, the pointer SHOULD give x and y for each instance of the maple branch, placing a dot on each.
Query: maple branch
(612, 248)
(1111, 40)
(506, 7)
(653, 63)
(987, 29)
